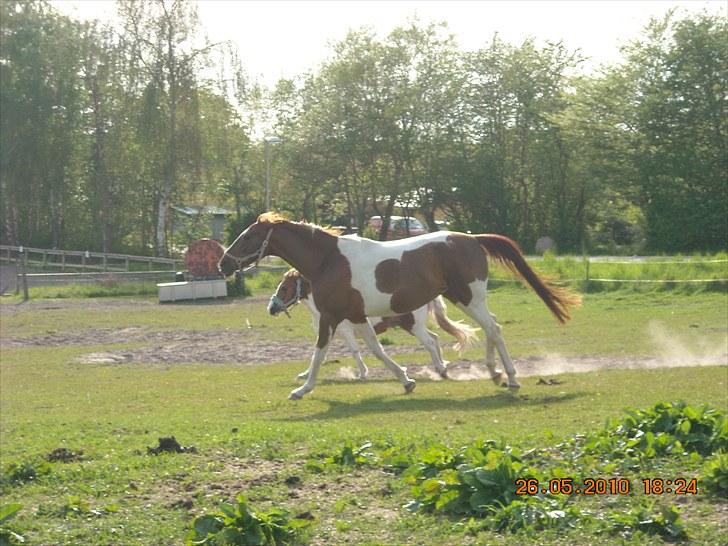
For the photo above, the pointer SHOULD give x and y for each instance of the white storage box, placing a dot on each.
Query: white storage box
(192, 290)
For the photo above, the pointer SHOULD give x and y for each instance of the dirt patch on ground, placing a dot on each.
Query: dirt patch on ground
(241, 348)
(170, 445)
(253, 347)
(63, 455)
(178, 346)
(9, 309)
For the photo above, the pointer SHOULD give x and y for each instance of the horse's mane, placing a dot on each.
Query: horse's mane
(272, 218)
(275, 218)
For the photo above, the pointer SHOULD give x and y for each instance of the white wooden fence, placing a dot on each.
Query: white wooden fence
(83, 260)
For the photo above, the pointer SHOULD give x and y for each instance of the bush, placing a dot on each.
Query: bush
(533, 513)
(468, 482)
(665, 522)
(351, 456)
(23, 472)
(714, 474)
(238, 524)
(237, 287)
(665, 429)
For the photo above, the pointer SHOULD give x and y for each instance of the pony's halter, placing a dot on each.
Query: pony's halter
(278, 303)
(258, 254)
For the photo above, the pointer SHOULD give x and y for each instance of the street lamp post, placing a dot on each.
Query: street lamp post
(271, 139)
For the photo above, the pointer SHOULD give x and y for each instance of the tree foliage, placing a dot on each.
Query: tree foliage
(103, 129)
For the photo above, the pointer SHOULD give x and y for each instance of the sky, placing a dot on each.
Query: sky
(284, 38)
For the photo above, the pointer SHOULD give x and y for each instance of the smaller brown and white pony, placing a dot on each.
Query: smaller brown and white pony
(353, 278)
(295, 288)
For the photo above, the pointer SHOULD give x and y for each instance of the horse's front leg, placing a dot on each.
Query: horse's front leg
(327, 326)
(367, 333)
(316, 316)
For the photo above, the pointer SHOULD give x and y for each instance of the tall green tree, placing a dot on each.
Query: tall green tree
(163, 34)
(41, 107)
(515, 171)
(679, 71)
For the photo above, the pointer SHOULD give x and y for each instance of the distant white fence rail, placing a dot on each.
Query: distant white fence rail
(28, 266)
(78, 266)
(83, 260)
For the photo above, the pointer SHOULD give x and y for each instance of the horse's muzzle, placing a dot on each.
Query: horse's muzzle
(226, 266)
(276, 306)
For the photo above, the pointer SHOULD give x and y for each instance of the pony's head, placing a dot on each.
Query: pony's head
(292, 289)
(250, 246)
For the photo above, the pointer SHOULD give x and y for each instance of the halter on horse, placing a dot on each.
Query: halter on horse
(353, 278)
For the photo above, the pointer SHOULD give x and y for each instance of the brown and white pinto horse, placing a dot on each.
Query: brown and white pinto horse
(295, 288)
(353, 278)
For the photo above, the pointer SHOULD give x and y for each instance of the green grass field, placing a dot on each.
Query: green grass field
(250, 439)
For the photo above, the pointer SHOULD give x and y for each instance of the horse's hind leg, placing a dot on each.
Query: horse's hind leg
(366, 332)
(495, 374)
(348, 334)
(478, 311)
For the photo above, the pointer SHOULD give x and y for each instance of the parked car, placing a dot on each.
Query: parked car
(398, 227)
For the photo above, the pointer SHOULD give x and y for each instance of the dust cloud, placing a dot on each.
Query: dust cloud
(665, 349)
(669, 350)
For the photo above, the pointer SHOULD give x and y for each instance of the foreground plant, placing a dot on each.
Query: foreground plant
(7, 535)
(467, 482)
(714, 474)
(665, 429)
(237, 524)
(665, 522)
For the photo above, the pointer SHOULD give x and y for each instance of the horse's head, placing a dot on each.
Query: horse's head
(247, 249)
(292, 289)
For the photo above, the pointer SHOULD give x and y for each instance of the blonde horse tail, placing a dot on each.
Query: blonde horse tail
(506, 252)
(465, 335)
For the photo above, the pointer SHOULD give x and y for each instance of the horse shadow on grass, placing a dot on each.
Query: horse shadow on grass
(338, 409)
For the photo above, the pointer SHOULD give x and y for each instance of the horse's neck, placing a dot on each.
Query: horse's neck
(303, 246)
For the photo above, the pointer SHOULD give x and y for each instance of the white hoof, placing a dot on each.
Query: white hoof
(409, 386)
(296, 394)
(498, 378)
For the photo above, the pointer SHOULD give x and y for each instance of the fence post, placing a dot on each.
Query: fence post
(106, 268)
(23, 271)
(588, 261)
(63, 261)
(126, 263)
(18, 268)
